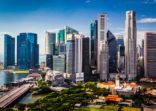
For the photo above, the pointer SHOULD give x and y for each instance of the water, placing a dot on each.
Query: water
(6, 77)
(29, 98)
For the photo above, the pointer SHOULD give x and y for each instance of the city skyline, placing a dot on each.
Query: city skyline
(37, 17)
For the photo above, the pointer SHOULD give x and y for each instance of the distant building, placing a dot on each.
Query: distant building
(27, 51)
(9, 51)
(94, 35)
(130, 46)
(150, 54)
(86, 58)
(49, 61)
(112, 45)
(50, 42)
(120, 54)
(62, 35)
(102, 48)
(59, 63)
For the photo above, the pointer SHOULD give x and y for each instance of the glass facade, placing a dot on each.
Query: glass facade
(9, 50)
(27, 51)
(93, 34)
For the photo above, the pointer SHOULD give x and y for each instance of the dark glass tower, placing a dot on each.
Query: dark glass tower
(27, 51)
(9, 50)
(112, 44)
(94, 34)
(86, 59)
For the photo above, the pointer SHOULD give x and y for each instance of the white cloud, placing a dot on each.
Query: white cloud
(147, 20)
(149, 2)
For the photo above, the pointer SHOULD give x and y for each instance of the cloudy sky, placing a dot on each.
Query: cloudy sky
(40, 15)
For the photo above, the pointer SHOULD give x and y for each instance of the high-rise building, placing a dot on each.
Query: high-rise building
(50, 42)
(150, 54)
(130, 45)
(74, 56)
(9, 51)
(93, 34)
(102, 48)
(112, 45)
(86, 58)
(62, 35)
(27, 51)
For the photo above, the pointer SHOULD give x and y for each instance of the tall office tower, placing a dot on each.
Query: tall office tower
(27, 51)
(94, 34)
(150, 54)
(86, 58)
(74, 56)
(130, 45)
(112, 45)
(102, 48)
(9, 51)
(50, 42)
(62, 34)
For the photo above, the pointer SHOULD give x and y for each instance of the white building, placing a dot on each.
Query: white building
(55, 77)
(102, 48)
(130, 45)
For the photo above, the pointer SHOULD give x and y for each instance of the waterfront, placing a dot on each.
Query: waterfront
(6, 77)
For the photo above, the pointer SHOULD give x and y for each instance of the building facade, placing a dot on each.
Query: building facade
(9, 51)
(102, 48)
(94, 35)
(74, 56)
(27, 51)
(150, 54)
(130, 45)
(50, 43)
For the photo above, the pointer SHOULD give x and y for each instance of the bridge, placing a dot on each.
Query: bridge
(13, 95)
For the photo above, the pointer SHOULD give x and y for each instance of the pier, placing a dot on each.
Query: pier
(13, 95)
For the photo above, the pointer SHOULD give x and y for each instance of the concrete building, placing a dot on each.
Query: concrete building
(130, 45)
(74, 56)
(150, 54)
(102, 50)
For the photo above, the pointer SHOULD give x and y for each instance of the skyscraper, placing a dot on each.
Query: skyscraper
(86, 58)
(93, 34)
(9, 51)
(27, 51)
(112, 45)
(50, 42)
(74, 56)
(102, 50)
(130, 45)
(150, 54)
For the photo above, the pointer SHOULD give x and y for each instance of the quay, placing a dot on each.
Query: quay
(13, 95)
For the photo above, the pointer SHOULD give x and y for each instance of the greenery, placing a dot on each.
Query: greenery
(42, 88)
(130, 109)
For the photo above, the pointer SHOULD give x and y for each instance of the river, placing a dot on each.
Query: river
(6, 77)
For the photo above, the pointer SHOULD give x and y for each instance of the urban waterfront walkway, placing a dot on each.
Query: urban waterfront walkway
(14, 94)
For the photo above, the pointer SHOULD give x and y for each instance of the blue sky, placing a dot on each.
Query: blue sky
(40, 15)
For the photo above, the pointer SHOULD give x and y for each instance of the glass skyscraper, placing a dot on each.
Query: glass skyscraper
(9, 50)
(27, 51)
